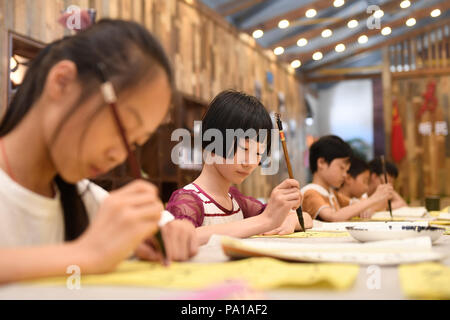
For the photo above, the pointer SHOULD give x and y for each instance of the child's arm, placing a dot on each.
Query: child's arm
(20, 264)
(397, 201)
(291, 224)
(382, 193)
(127, 217)
(239, 229)
(283, 198)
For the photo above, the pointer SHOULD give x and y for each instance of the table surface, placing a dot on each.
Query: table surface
(390, 286)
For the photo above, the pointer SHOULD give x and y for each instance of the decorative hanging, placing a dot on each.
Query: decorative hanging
(429, 97)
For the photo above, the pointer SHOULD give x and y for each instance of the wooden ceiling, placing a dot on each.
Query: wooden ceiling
(265, 15)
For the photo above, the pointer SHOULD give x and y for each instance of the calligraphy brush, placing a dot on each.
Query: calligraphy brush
(288, 163)
(383, 164)
(111, 99)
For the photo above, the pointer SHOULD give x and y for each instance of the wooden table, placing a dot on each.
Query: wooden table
(390, 286)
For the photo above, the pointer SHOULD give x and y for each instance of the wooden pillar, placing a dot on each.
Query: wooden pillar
(386, 79)
(6, 23)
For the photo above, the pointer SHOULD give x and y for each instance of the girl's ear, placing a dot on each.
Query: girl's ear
(59, 79)
(321, 163)
(373, 177)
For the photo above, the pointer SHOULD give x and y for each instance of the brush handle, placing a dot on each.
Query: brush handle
(289, 167)
(134, 164)
(383, 163)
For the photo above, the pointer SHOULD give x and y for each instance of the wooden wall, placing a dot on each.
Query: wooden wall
(426, 168)
(208, 54)
(408, 67)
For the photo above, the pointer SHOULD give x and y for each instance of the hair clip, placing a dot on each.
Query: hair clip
(107, 88)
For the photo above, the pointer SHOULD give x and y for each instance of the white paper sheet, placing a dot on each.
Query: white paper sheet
(414, 212)
(381, 252)
(341, 226)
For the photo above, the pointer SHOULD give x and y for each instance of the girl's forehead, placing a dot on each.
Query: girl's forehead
(252, 142)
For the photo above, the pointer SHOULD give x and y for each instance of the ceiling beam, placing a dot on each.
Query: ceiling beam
(341, 22)
(342, 77)
(418, 14)
(240, 18)
(388, 42)
(350, 70)
(290, 15)
(235, 6)
(421, 73)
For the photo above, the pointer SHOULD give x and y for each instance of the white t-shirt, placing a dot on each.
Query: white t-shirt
(27, 218)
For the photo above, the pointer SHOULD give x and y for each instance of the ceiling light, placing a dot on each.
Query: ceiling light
(410, 22)
(278, 51)
(405, 4)
(302, 42)
(340, 47)
(296, 64)
(435, 13)
(258, 34)
(283, 24)
(352, 24)
(327, 33)
(386, 31)
(311, 13)
(317, 55)
(378, 14)
(363, 39)
(338, 3)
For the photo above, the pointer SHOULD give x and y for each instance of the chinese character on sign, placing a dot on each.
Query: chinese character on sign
(425, 128)
(440, 128)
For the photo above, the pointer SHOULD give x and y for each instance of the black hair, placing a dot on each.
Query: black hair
(376, 167)
(235, 110)
(328, 147)
(128, 53)
(357, 166)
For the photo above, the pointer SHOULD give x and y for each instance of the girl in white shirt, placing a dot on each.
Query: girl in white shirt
(58, 131)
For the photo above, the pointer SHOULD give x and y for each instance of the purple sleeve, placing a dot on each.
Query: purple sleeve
(250, 206)
(185, 204)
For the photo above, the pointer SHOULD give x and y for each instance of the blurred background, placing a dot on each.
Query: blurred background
(375, 73)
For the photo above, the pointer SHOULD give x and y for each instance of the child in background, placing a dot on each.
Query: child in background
(59, 131)
(210, 202)
(329, 160)
(356, 183)
(377, 178)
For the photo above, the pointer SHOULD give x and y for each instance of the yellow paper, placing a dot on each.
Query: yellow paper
(437, 213)
(440, 222)
(425, 281)
(259, 273)
(434, 213)
(447, 231)
(379, 219)
(309, 234)
(388, 219)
